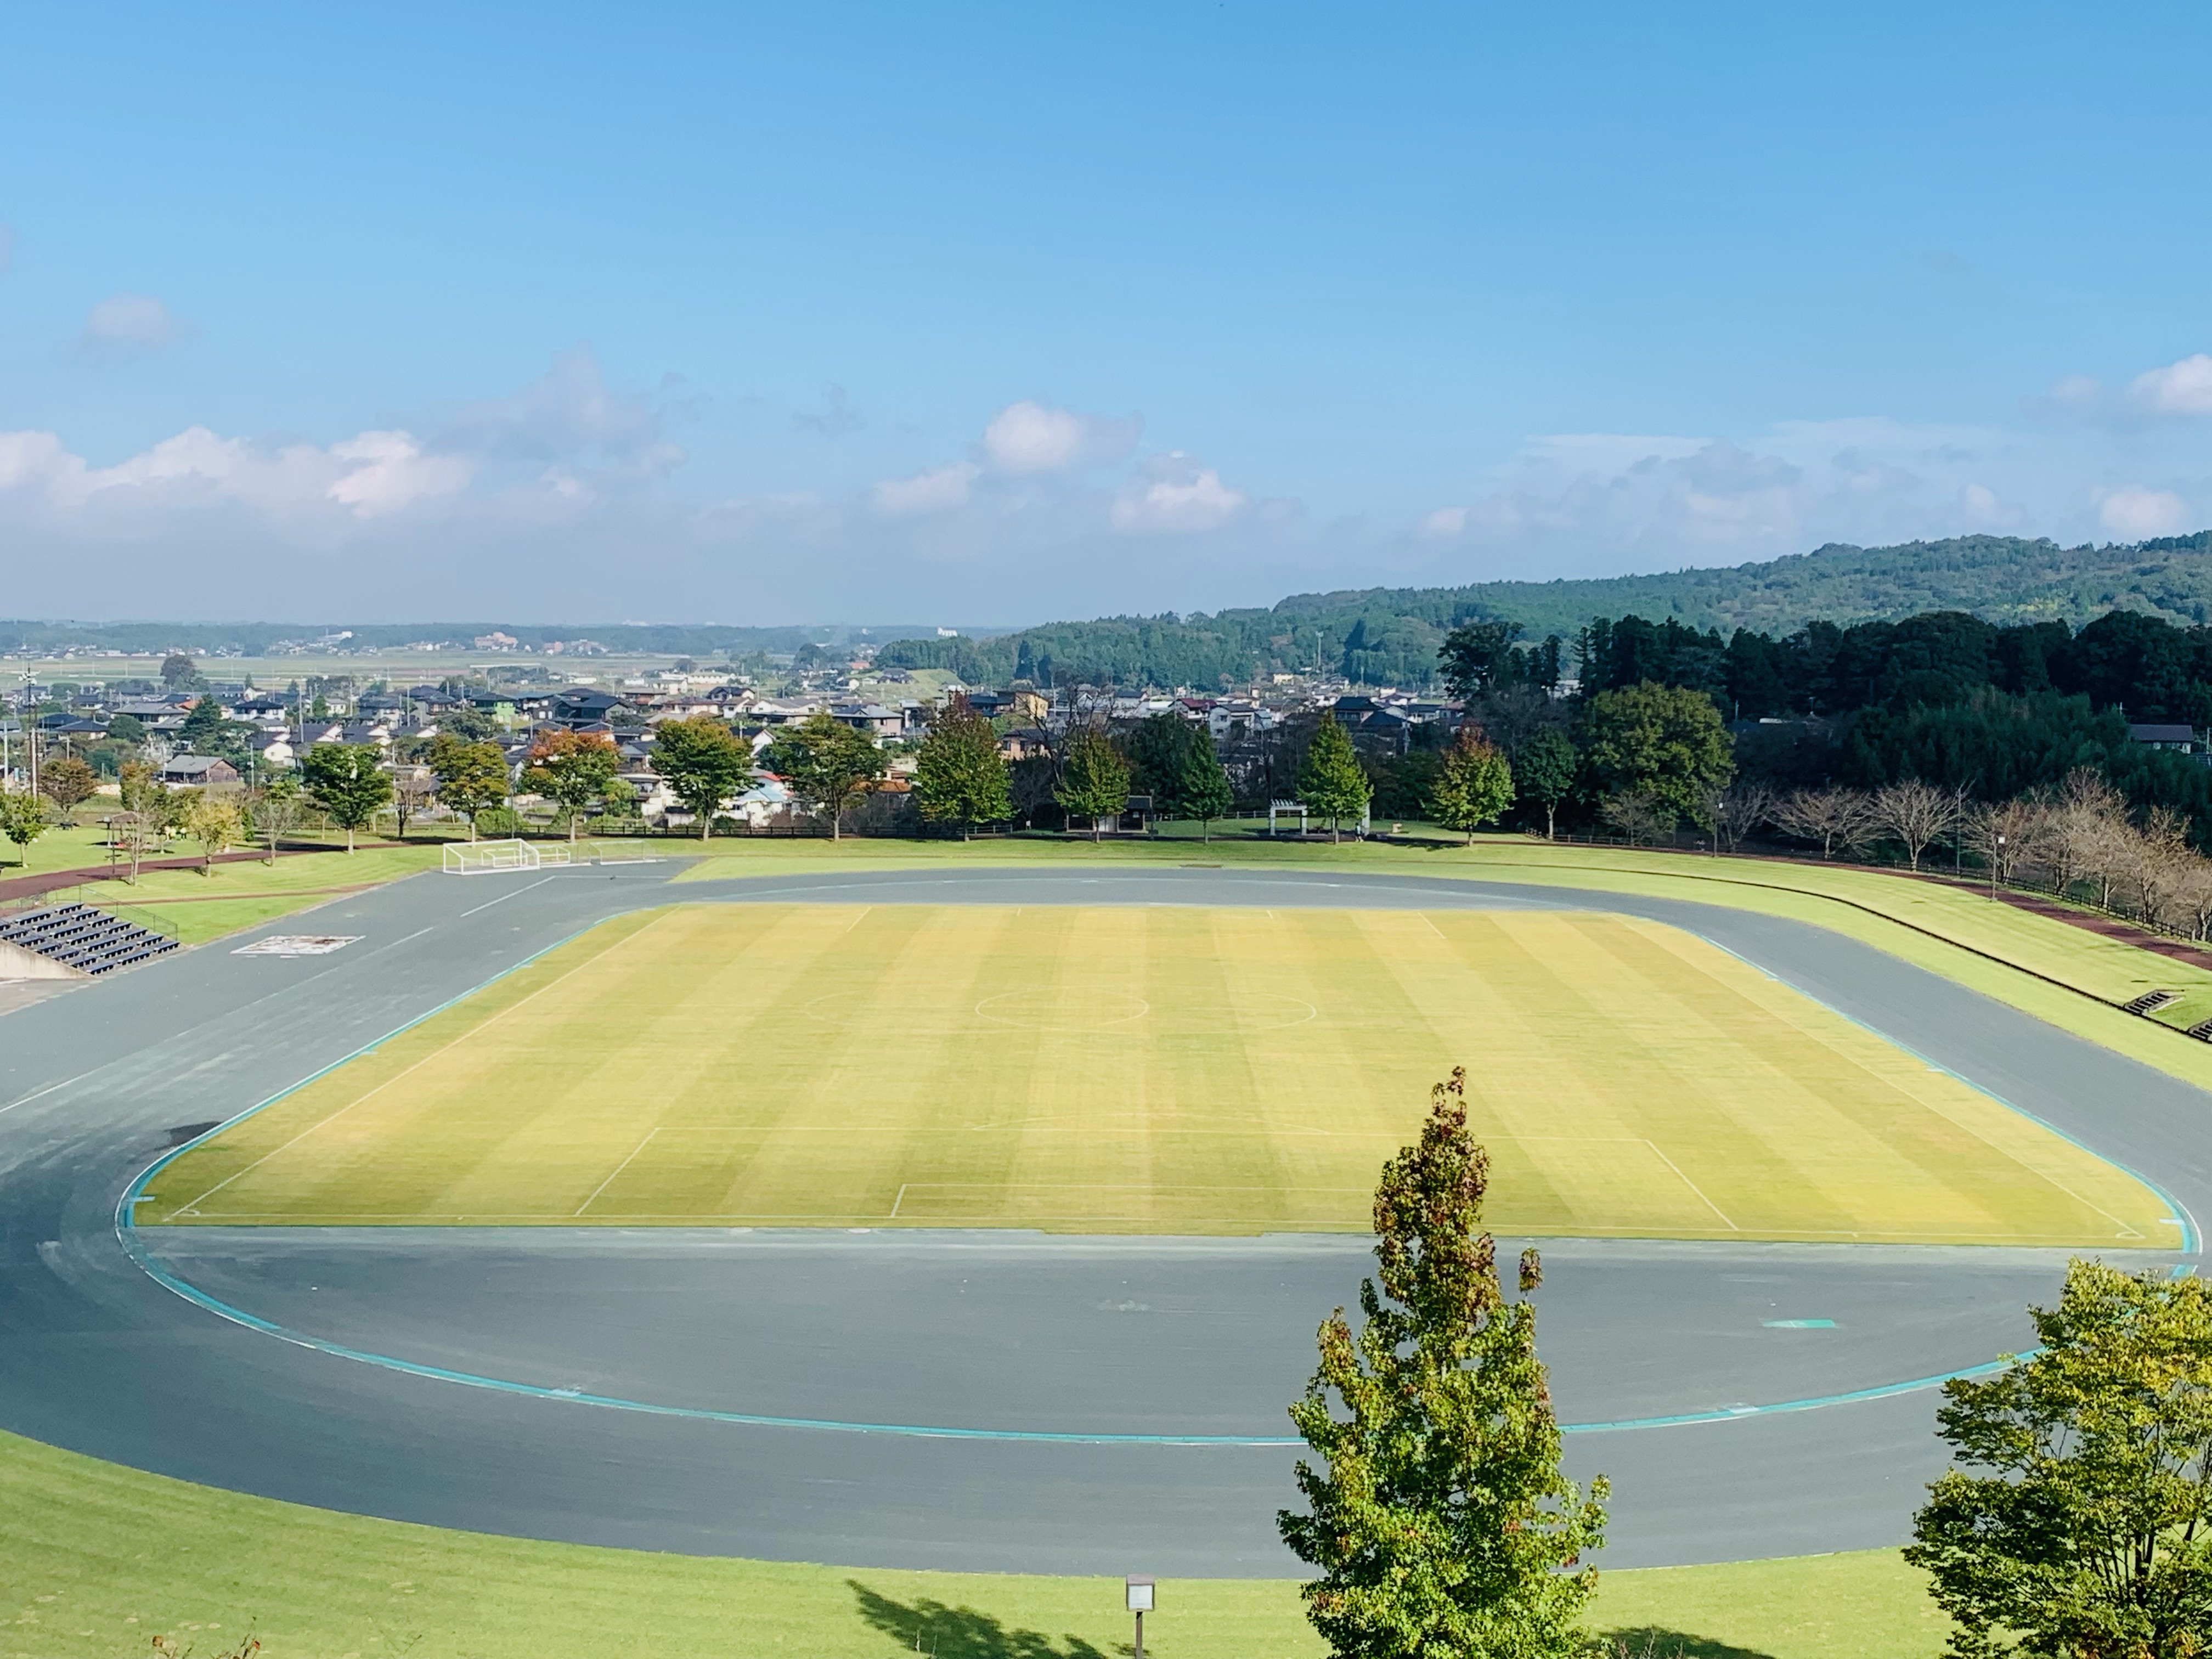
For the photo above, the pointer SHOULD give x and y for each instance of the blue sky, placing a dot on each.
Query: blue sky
(996, 314)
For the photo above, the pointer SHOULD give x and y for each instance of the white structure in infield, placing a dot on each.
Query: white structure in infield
(478, 858)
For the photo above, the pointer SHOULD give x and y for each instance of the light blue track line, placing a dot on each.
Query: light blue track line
(127, 1234)
(2190, 1243)
(200, 1298)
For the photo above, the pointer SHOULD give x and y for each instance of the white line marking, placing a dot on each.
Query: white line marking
(51, 1087)
(503, 898)
(900, 1199)
(411, 1070)
(1692, 1186)
(618, 1169)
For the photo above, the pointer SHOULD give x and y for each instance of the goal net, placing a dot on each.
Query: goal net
(478, 858)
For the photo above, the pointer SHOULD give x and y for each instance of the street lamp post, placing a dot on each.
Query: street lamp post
(1996, 857)
(1140, 1594)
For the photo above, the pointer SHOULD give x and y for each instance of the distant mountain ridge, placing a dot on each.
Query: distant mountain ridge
(1389, 635)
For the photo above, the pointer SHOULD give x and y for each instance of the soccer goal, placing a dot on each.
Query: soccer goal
(478, 858)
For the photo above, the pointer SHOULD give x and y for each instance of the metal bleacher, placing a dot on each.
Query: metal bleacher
(78, 936)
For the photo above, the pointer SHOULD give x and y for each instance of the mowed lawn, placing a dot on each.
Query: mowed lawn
(1148, 1069)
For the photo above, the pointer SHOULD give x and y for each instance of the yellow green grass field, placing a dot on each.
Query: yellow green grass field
(1147, 1069)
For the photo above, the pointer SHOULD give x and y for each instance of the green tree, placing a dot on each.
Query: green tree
(1474, 785)
(206, 731)
(348, 782)
(960, 777)
(469, 723)
(1543, 771)
(273, 809)
(2088, 1532)
(67, 781)
(1661, 741)
(705, 764)
(1476, 655)
(1331, 783)
(574, 768)
(1173, 760)
(1094, 782)
(23, 819)
(1441, 1524)
(826, 762)
(215, 822)
(472, 777)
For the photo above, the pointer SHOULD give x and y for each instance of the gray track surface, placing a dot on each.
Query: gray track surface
(990, 1331)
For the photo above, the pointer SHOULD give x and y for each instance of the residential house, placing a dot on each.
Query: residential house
(197, 772)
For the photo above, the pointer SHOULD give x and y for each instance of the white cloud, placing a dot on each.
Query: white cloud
(132, 322)
(1029, 437)
(935, 491)
(388, 471)
(368, 476)
(2135, 513)
(1441, 525)
(2179, 388)
(1179, 496)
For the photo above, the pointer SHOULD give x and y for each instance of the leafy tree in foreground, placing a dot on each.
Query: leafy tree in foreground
(1474, 786)
(473, 776)
(23, 819)
(1663, 741)
(1331, 782)
(2089, 1535)
(574, 768)
(348, 782)
(826, 762)
(1095, 780)
(960, 777)
(1544, 770)
(1442, 1524)
(705, 764)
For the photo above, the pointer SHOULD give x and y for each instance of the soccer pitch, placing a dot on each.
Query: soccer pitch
(1147, 1069)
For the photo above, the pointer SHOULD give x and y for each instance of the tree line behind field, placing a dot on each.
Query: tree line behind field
(1390, 636)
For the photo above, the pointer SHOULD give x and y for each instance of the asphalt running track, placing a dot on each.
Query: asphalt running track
(983, 1400)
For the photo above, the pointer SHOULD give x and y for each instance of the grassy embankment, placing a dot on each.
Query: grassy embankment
(96, 1559)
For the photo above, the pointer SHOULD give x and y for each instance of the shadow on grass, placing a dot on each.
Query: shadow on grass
(1654, 1641)
(931, 1628)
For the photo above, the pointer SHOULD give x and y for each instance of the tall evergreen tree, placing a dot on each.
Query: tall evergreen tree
(1474, 786)
(1095, 780)
(1441, 1523)
(960, 777)
(1201, 785)
(1331, 782)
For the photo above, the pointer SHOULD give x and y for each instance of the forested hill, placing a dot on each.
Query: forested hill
(1389, 635)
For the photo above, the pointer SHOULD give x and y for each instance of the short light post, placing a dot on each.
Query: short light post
(1996, 857)
(1139, 1593)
